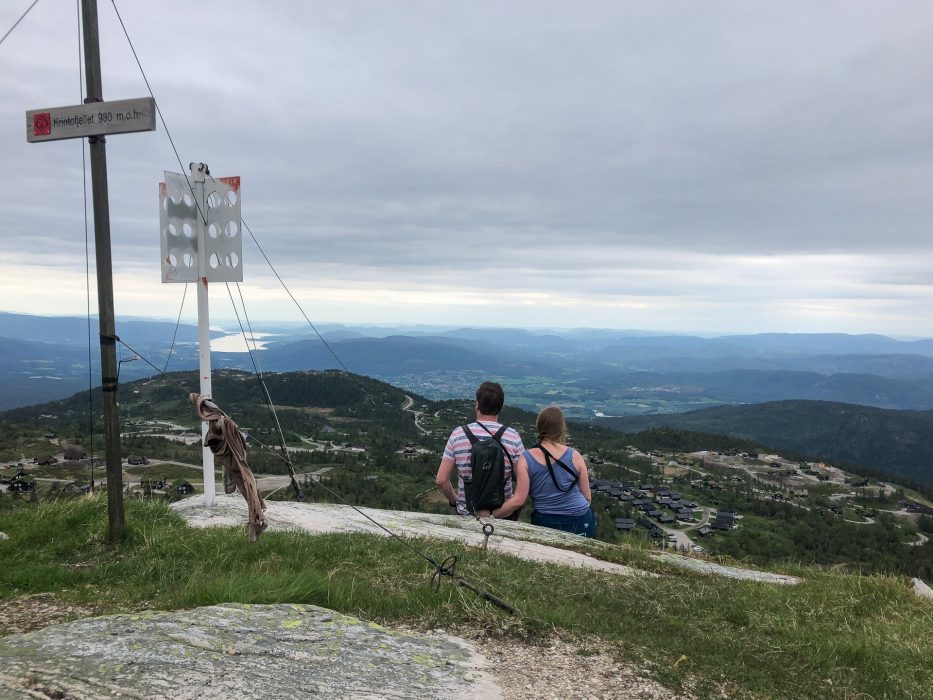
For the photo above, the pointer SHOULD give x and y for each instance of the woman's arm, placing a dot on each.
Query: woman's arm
(584, 482)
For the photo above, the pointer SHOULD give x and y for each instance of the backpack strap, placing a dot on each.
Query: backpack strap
(469, 433)
(497, 436)
(548, 458)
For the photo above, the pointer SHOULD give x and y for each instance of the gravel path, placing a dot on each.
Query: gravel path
(589, 670)
(37, 611)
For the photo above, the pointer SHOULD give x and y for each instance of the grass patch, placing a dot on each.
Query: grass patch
(170, 470)
(842, 635)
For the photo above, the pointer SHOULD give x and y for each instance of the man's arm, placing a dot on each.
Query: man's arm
(444, 472)
(521, 491)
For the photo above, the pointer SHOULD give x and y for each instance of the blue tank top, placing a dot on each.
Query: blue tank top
(545, 497)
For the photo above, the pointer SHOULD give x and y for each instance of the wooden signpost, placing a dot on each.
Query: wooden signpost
(94, 120)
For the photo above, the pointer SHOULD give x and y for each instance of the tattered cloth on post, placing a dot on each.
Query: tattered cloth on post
(226, 442)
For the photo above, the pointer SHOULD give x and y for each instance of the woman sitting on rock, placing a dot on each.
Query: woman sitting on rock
(560, 485)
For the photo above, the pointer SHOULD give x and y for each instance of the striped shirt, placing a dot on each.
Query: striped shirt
(458, 449)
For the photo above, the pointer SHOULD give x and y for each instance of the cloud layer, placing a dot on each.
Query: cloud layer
(721, 166)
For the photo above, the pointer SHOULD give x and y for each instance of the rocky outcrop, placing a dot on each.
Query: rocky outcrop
(516, 539)
(707, 567)
(238, 651)
(922, 590)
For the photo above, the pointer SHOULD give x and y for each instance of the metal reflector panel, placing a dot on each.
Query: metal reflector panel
(179, 227)
(223, 237)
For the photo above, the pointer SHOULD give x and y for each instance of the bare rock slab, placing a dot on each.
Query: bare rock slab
(520, 540)
(733, 572)
(238, 651)
(516, 539)
(921, 589)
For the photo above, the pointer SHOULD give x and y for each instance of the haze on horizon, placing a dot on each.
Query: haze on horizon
(723, 167)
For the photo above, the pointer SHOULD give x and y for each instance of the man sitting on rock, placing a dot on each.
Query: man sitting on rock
(460, 453)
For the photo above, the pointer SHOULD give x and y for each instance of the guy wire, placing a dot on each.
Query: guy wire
(87, 260)
(168, 133)
(204, 217)
(177, 323)
(16, 23)
(300, 309)
(447, 567)
(299, 494)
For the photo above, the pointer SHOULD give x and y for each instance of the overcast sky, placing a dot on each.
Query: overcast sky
(696, 166)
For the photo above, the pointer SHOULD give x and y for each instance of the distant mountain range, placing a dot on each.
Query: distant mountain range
(44, 358)
(755, 386)
(614, 372)
(393, 355)
(891, 442)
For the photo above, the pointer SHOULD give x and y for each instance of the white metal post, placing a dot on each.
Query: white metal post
(200, 241)
(204, 334)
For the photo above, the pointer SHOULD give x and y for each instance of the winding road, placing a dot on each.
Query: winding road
(407, 406)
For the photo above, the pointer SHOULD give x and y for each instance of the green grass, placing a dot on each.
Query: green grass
(169, 471)
(66, 471)
(835, 635)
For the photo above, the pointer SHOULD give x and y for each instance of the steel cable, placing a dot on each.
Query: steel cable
(447, 567)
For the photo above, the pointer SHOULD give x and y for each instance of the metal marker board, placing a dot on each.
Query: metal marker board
(92, 119)
(180, 218)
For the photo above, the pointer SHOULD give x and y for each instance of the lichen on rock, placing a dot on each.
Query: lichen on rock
(243, 651)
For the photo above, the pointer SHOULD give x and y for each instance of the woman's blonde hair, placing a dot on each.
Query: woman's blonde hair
(551, 424)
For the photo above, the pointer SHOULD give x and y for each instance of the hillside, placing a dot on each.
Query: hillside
(373, 444)
(693, 635)
(890, 442)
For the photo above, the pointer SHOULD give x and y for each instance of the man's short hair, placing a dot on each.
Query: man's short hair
(490, 398)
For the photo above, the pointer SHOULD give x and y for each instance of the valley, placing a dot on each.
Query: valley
(373, 444)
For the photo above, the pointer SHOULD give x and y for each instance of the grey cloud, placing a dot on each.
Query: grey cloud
(610, 140)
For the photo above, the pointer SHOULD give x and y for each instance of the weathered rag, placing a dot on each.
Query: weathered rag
(226, 442)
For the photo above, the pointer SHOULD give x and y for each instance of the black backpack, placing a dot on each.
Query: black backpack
(485, 489)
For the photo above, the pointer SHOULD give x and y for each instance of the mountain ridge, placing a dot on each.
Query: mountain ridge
(895, 442)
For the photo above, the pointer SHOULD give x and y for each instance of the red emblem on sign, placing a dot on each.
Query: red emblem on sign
(41, 124)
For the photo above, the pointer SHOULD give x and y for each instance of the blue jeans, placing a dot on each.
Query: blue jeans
(577, 524)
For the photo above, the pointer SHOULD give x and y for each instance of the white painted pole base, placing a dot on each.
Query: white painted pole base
(204, 354)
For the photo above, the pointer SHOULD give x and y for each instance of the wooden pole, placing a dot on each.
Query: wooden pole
(108, 346)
